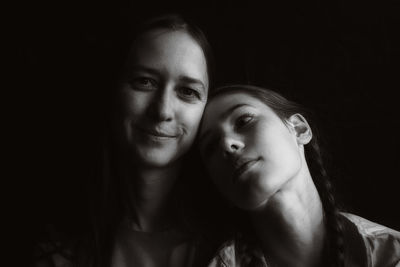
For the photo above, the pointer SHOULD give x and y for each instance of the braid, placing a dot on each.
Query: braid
(332, 215)
(284, 108)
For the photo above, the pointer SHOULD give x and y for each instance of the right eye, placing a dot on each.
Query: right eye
(243, 120)
(143, 83)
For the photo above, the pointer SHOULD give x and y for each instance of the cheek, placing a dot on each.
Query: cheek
(281, 155)
(285, 156)
(290, 150)
(133, 104)
(189, 117)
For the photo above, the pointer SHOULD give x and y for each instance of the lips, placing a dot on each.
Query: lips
(242, 165)
(157, 133)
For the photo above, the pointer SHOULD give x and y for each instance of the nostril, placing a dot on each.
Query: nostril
(231, 145)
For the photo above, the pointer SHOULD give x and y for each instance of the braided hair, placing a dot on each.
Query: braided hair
(246, 245)
(332, 215)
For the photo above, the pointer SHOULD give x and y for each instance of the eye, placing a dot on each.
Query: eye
(187, 93)
(143, 83)
(243, 120)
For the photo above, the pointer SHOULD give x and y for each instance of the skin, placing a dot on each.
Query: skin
(257, 161)
(250, 132)
(163, 96)
(161, 99)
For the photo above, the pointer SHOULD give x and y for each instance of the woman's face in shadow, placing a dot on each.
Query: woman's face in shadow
(162, 97)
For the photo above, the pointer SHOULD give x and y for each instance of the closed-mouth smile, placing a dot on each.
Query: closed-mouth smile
(241, 166)
(157, 134)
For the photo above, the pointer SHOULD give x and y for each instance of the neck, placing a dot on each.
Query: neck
(151, 199)
(291, 225)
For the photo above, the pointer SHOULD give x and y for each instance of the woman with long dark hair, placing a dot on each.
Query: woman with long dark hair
(263, 156)
(140, 197)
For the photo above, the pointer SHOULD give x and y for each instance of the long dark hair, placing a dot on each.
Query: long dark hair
(246, 242)
(108, 200)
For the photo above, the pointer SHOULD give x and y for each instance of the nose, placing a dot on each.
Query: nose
(232, 145)
(163, 105)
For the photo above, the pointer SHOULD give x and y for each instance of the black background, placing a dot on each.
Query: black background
(339, 58)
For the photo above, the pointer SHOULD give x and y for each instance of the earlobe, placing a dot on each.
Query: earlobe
(301, 128)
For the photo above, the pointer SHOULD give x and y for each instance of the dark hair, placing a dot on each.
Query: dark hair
(109, 192)
(284, 108)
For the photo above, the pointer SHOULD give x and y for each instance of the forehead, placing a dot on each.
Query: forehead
(173, 51)
(166, 39)
(222, 103)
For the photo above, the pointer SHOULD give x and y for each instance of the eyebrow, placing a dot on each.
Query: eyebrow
(225, 114)
(145, 69)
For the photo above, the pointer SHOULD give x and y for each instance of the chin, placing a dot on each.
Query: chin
(156, 159)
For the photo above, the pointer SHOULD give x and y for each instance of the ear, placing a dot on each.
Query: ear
(301, 128)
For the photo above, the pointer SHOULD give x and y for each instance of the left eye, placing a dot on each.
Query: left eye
(243, 120)
(188, 93)
(143, 83)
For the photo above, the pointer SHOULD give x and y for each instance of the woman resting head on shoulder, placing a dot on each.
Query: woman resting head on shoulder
(155, 115)
(261, 153)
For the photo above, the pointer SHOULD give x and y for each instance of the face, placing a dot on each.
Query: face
(162, 97)
(249, 152)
